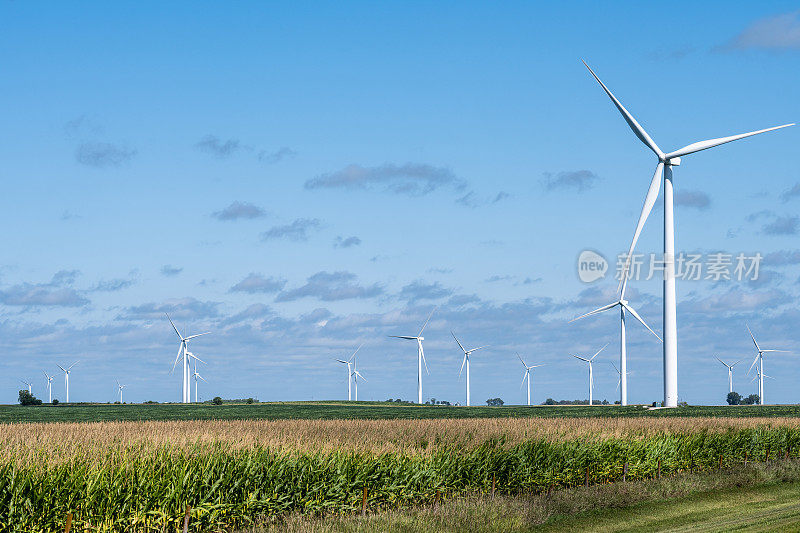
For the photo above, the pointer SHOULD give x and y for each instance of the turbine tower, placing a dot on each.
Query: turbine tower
(185, 355)
(465, 361)
(591, 378)
(623, 349)
(49, 387)
(349, 364)
(420, 355)
(527, 375)
(66, 376)
(119, 388)
(664, 170)
(760, 368)
(30, 390)
(730, 371)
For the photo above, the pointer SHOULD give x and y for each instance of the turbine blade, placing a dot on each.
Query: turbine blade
(635, 127)
(753, 337)
(425, 361)
(479, 348)
(173, 327)
(598, 310)
(459, 343)
(357, 373)
(521, 361)
(345, 362)
(403, 337)
(177, 357)
(581, 358)
(193, 356)
(637, 317)
(462, 365)
(426, 322)
(598, 352)
(780, 351)
(649, 202)
(73, 364)
(524, 375)
(536, 366)
(711, 143)
(61, 367)
(721, 361)
(198, 335)
(354, 353)
(615, 368)
(751, 364)
(201, 377)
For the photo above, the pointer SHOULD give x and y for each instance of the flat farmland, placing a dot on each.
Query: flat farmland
(359, 410)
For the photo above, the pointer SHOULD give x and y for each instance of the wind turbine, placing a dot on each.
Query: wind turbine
(120, 387)
(49, 387)
(356, 375)
(619, 382)
(420, 355)
(185, 354)
(760, 360)
(28, 384)
(465, 361)
(664, 170)
(196, 376)
(527, 375)
(66, 376)
(730, 371)
(591, 378)
(623, 358)
(349, 364)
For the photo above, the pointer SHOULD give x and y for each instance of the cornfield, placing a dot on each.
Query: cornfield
(141, 476)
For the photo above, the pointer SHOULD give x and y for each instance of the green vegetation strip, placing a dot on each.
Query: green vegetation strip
(147, 488)
(356, 410)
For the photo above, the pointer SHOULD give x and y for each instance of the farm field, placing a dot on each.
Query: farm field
(764, 498)
(358, 410)
(140, 476)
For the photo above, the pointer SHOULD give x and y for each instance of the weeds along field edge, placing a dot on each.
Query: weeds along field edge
(145, 485)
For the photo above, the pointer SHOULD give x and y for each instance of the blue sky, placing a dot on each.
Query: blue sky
(299, 178)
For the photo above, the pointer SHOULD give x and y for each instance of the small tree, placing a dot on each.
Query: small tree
(734, 398)
(217, 400)
(26, 398)
(249, 401)
(494, 402)
(751, 400)
(55, 401)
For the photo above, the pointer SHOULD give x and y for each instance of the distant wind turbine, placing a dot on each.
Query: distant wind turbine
(356, 375)
(527, 375)
(185, 355)
(760, 368)
(619, 381)
(591, 377)
(49, 387)
(196, 377)
(30, 390)
(623, 358)
(420, 355)
(730, 371)
(120, 387)
(66, 376)
(467, 353)
(664, 170)
(349, 364)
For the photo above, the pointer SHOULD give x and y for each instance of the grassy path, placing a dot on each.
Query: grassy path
(754, 509)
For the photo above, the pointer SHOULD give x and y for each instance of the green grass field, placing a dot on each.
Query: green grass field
(355, 410)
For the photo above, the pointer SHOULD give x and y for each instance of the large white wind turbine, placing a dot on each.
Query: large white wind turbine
(28, 383)
(66, 376)
(465, 361)
(420, 355)
(120, 386)
(349, 364)
(623, 358)
(186, 355)
(591, 377)
(49, 387)
(527, 375)
(730, 371)
(664, 170)
(760, 360)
